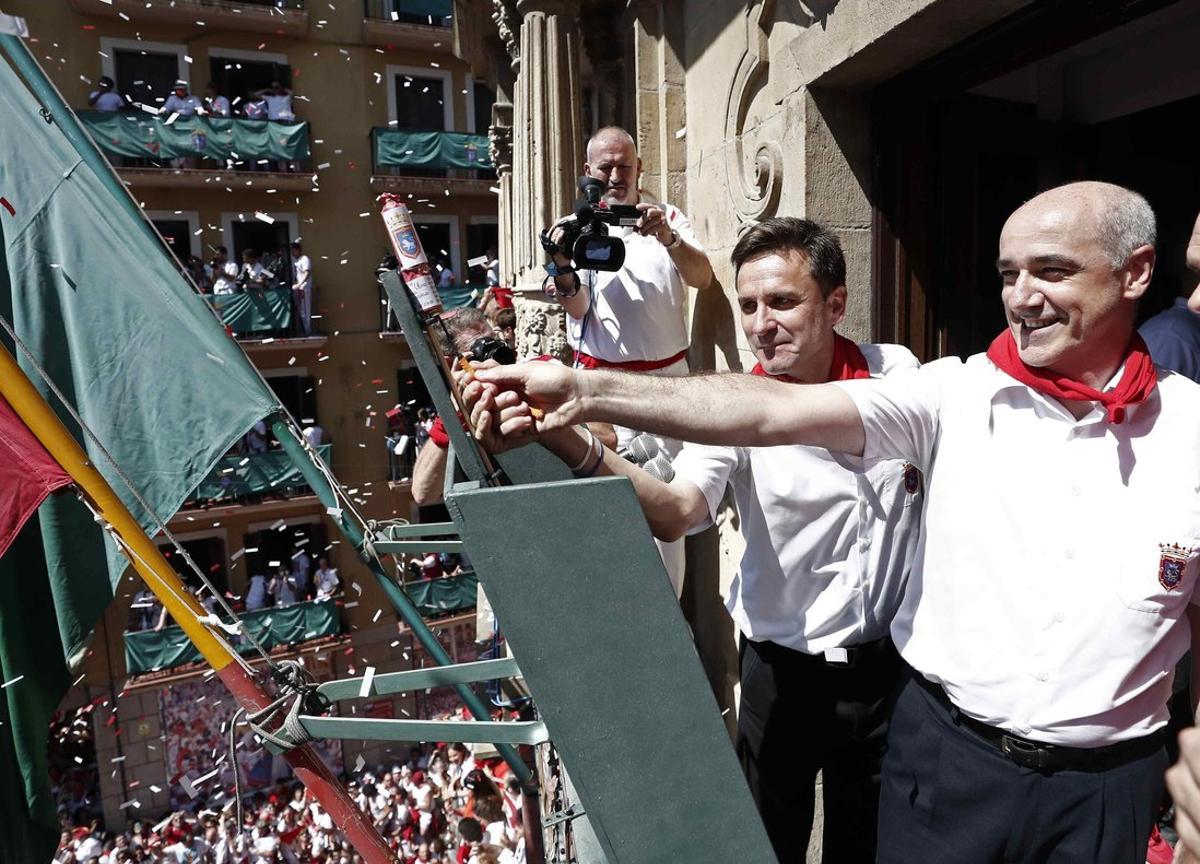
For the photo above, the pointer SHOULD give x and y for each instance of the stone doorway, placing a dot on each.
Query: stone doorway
(1054, 94)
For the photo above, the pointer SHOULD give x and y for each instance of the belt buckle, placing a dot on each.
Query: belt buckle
(1027, 754)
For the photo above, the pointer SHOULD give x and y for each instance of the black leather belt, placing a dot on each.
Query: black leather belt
(1046, 757)
(773, 651)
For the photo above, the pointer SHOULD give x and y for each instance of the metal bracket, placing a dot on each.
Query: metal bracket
(465, 731)
(562, 816)
(421, 679)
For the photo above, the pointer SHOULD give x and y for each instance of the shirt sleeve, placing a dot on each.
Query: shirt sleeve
(901, 416)
(682, 224)
(708, 468)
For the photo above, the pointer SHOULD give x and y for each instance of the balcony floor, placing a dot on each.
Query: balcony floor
(196, 178)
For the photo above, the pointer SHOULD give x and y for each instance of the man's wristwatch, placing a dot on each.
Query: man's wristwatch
(676, 239)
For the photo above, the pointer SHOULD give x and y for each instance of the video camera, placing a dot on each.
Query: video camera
(585, 233)
(491, 348)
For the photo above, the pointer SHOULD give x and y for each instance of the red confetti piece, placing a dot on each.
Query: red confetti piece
(7, 206)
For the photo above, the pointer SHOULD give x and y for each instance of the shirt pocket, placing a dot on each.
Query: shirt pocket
(1159, 578)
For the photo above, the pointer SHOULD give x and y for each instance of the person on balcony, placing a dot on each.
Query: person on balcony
(327, 581)
(252, 276)
(302, 288)
(224, 272)
(279, 102)
(283, 587)
(181, 102)
(105, 97)
(257, 593)
(214, 103)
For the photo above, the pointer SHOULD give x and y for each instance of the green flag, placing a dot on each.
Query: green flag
(149, 370)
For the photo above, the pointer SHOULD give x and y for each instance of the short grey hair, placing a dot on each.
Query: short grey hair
(1127, 223)
(609, 132)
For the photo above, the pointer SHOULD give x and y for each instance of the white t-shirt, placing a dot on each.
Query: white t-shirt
(106, 101)
(226, 282)
(303, 270)
(637, 312)
(1041, 595)
(279, 106)
(828, 548)
(185, 107)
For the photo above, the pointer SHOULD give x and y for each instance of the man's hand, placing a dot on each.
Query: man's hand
(654, 223)
(1183, 782)
(515, 390)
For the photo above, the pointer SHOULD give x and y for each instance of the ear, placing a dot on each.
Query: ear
(1139, 269)
(836, 303)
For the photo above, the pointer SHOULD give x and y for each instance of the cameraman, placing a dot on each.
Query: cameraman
(465, 326)
(633, 318)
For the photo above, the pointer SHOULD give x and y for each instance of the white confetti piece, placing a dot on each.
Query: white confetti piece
(679, 133)
(359, 763)
(378, 612)
(364, 689)
(11, 682)
(263, 217)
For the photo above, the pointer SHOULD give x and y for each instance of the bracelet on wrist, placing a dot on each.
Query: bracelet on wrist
(676, 239)
(587, 454)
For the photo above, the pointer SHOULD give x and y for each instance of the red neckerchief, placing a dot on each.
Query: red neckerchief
(1137, 381)
(848, 363)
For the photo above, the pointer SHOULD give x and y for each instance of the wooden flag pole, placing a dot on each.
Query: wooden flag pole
(161, 578)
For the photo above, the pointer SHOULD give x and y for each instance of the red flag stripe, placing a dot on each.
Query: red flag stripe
(27, 474)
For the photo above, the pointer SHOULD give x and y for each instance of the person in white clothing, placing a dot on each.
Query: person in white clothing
(279, 102)
(181, 102)
(104, 97)
(1052, 590)
(326, 581)
(214, 103)
(828, 551)
(633, 318)
(302, 288)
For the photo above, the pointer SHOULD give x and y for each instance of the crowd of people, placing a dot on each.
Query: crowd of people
(272, 270)
(273, 102)
(441, 805)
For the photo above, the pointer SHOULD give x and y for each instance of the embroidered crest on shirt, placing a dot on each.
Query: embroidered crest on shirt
(1171, 564)
(912, 478)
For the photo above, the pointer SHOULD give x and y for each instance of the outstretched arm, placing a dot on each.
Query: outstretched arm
(739, 410)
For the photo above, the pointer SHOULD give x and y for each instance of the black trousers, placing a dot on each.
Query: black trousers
(800, 715)
(949, 797)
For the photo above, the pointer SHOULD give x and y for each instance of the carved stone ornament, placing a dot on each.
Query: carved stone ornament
(508, 25)
(755, 192)
(500, 137)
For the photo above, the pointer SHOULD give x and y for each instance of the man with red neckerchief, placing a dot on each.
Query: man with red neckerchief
(1053, 585)
(828, 550)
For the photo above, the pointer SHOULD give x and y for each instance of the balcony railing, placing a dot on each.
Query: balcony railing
(409, 151)
(432, 13)
(444, 596)
(225, 141)
(156, 650)
(283, 17)
(255, 313)
(244, 478)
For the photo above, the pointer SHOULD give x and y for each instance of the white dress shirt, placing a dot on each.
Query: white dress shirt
(827, 548)
(637, 312)
(1035, 598)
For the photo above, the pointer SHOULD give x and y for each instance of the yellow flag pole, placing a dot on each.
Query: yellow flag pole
(162, 579)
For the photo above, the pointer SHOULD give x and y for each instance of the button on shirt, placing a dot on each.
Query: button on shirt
(636, 312)
(827, 548)
(1040, 597)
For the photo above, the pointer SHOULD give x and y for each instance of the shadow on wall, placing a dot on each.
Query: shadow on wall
(713, 330)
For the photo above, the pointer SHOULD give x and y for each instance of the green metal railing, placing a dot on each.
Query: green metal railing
(156, 650)
(435, 13)
(429, 150)
(242, 476)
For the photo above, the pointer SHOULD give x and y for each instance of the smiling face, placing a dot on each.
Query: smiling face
(613, 159)
(787, 321)
(1069, 309)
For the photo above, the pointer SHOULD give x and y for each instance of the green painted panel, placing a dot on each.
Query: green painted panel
(575, 579)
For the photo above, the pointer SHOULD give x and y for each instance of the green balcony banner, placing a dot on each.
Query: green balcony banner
(245, 474)
(396, 148)
(146, 136)
(254, 311)
(448, 594)
(154, 650)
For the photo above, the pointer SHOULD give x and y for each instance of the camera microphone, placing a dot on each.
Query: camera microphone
(591, 189)
(640, 449)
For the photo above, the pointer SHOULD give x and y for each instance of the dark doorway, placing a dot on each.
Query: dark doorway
(144, 76)
(208, 553)
(419, 103)
(485, 98)
(435, 240)
(178, 235)
(298, 395)
(966, 138)
(239, 79)
(281, 546)
(271, 241)
(480, 238)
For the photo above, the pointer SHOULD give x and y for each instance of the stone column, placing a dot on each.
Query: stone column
(660, 102)
(547, 157)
